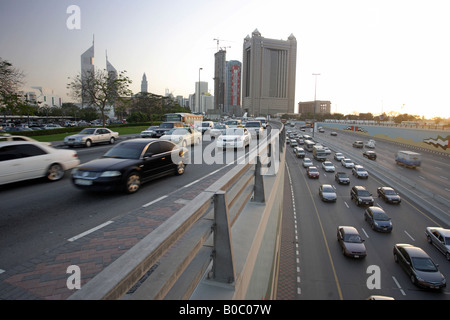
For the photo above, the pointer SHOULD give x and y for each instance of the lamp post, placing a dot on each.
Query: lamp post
(315, 102)
(199, 94)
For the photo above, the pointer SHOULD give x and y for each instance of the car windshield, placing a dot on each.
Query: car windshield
(125, 151)
(342, 175)
(220, 126)
(447, 241)
(234, 132)
(176, 131)
(361, 169)
(205, 124)
(390, 192)
(312, 169)
(328, 189)
(353, 238)
(87, 131)
(166, 125)
(364, 193)
(380, 216)
(253, 124)
(424, 264)
(327, 164)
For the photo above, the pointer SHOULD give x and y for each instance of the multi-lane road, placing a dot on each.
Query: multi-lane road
(37, 216)
(323, 271)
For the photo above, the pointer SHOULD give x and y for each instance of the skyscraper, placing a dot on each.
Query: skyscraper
(268, 77)
(219, 80)
(233, 88)
(87, 65)
(144, 84)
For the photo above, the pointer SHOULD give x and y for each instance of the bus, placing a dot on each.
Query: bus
(187, 118)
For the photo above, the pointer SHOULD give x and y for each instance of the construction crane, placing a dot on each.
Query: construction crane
(218, 40)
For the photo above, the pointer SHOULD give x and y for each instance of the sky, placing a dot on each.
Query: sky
(372, 56)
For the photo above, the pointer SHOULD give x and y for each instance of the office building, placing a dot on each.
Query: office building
(233, 89)
(268, 75)
(144, 84)
(322, 107)
(87, 65)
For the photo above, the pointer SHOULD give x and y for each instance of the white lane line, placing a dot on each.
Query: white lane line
(154, 201)
(398, 285)
(367, 236)
(1, 271)
(409, 235)
(90, 231)
(346, 204)
(190, 184)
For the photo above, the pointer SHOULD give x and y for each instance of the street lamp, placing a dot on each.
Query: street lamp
(199, 95)
(315, 101)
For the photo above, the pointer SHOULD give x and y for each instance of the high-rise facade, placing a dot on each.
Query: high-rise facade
(233, 88)
(87, 66)
(219, 80)
(144, 84)
(268, 75)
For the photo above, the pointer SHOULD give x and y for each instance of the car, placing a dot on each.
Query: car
(389, 195)
(205, 126)
(347, 163)
(312, 172)
(342, 178)
(185, 136)
(89, 136)
(359, 172)
(333, 133)
(352, 245)
(150, 132)
(327, 193)
(440, 238)
(9, 137)
(378, 219)
(361, 196)
(307, 162)
(25, 160)
(300, 141)
(358, 144)
(51, 126)
(236, 138)
(328, 166)
(371, 155)
(338, 156)
(255, 128)
(294, 143)
(418, 265)
(218, 130)
(327, 150)
(299, 152)
(166, 126)
(129, 164)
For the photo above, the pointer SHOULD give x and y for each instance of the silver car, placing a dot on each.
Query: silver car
(327, 193)
(89, 136)
(351, 243)
(440, 238)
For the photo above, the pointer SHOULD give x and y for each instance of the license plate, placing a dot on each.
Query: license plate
(83, 182)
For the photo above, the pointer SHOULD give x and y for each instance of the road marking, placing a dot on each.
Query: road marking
(398, 285)
(409, 235)
(367, 236)
(346, 204)
(154, 201)
(422, 178)
(90, 231)
(444, 177)
(1, 271)
(192, 183)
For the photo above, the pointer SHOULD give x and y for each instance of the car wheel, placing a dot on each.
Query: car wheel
(132, 183)
(413, 279)
(429, 239)
(112, 140)
(55, 172)
(180, 169)
(88, 143)
(395, 258)
(447, 255)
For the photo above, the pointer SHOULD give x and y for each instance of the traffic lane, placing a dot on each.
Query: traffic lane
(435, 182)
(353, 276)
(433, 173)
(316, 278)
(55, 212)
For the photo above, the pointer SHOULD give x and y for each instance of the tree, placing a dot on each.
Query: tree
(10, 81)
(100, 89)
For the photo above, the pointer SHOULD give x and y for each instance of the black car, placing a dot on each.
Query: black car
(389, 195)
(361, 196)
(166, 126)
(129, 164)
(342, 178)
(417, 264)
(378, 219)
(371, 155)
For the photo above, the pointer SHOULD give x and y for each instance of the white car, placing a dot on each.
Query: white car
(9, 137)
(218, 130)
(234, 138)
(307, 162)
(359, 172)
(24, 160)
(255, 128)
(338, 156)
(328, 166)
(183, 136)
(347, 163)
(89, 136)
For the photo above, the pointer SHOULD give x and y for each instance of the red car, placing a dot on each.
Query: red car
(312, 172)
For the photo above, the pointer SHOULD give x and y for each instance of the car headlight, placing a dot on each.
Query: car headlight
(108, 174)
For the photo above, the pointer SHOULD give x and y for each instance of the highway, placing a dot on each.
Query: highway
(324, 272)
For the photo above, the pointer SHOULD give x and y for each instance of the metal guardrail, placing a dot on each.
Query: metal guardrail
(198, 235)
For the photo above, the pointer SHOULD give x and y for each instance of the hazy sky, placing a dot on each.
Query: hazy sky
(372, 56)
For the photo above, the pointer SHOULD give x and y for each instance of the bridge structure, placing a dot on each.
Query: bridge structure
(223, 244)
